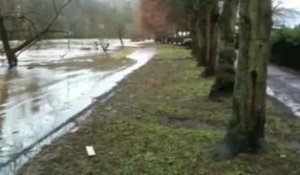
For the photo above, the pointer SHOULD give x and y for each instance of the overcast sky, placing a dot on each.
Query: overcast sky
(292, 4)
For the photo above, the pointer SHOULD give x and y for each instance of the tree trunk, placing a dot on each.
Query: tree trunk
(211, 39)
(199, 45)
(202, 42)
(194, 48)
(120, 35)
(224, 81)
(246, 129)
(9, 52)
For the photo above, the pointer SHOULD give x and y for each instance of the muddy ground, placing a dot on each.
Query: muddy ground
(160, 122)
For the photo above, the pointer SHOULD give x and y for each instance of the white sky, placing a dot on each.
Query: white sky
(295, 4)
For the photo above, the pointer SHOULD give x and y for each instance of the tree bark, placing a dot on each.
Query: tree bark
(198, 33)
(202, 42)
(194, 48)
(246, 129)
(224, 81)
(199, 47)
(211, 31)
(9, 52)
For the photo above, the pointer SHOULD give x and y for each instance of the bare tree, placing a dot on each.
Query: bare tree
(19, 17)
(121, 30)
(104, 44)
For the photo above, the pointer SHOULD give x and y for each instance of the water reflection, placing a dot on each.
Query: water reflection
(35, 102)
(3, 88)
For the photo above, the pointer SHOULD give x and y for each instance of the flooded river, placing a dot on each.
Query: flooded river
(40, 100)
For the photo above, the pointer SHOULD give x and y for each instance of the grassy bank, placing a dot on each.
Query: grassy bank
(160, 122)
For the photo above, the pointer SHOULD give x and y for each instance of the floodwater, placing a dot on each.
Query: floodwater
(39, 104)
(284, 85)
(60, 50)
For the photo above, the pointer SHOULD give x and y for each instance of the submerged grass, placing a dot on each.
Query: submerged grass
(98, 62)
(160, 122)
(123, 53)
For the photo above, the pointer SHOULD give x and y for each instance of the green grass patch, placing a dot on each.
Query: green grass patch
(172, 52)
(140, 147)
(120, 54)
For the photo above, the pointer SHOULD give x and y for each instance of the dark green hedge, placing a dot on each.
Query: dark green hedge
(286, 47)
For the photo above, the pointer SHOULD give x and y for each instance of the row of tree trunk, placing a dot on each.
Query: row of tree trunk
(246, 130)
(204, 32)
(224, 81)
(214, 37)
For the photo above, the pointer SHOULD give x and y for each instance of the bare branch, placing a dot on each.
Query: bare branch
(31, 44)
(22, 18)
(32, 40)
(282, 13)
(16, 31)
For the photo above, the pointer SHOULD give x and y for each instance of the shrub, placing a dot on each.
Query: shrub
(286, 47)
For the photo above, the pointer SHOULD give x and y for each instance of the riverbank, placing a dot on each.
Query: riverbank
(159, 121)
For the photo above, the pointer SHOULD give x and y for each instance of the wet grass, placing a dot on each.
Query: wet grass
(160, 122)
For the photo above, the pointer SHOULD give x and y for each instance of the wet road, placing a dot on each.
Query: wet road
(36, 102)
(284, 85)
